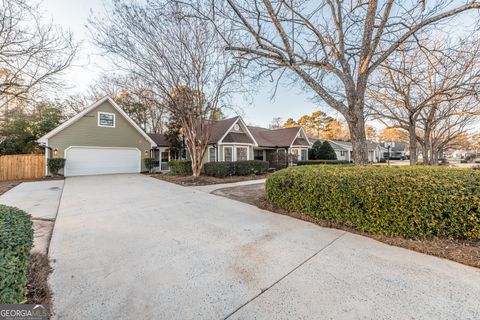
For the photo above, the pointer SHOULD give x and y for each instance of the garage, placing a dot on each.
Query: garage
(101, 139)
(101, 160)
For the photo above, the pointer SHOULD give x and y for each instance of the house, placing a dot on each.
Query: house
(398, 150)
(233, 140)
(103, 139)
(343, 150)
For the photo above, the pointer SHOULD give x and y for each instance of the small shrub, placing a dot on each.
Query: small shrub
(16, 236)
(250, 167)
(149, 163)
(55, 165)
(219, 169)
(412, 202)
(181, 167)
(310, 162)
(238, 168)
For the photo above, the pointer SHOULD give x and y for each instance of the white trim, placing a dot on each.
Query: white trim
(46, 157)
(220, 141)
(109, 113)
(98, 147)
(87, 110)
(300, 129)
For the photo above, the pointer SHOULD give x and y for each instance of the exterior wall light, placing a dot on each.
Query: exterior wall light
(55, 152)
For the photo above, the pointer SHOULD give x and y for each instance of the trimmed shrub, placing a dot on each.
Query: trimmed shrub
(239, 168)
(250, 167)
(219, 169)
(181, 167)
(309, 162)
(55, 165)
(412, 202)
(150, 163)
(16, 236)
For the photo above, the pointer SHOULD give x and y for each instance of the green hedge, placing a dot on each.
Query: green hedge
(55, 165)
(16, 236)
(181, 167)
(237, 168)
(249, 167)
(219, 169)
(308, 162)
(150, 163)
(413, 202)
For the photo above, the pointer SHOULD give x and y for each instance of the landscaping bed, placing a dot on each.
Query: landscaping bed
(205, 180)
(463, 251)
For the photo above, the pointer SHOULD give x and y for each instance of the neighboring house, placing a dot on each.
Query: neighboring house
(343, 150)
(103, 139)
(398, 150)
(232, 140)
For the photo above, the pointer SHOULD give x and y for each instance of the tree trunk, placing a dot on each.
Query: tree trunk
(426, 149)
(356, 125)
(412, 144)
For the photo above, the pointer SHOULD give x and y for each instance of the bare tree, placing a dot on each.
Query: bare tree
(32, 53)
(422, 87)
(181, 59)
(140, 102)
(333, 47)
(444, 125)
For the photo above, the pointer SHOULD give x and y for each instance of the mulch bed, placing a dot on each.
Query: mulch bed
(204, 180)
(37, 289)
(463, 251)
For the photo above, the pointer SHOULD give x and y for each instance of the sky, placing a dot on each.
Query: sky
(90, 64)
(260, 109)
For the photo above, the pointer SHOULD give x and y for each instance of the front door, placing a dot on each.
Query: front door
(164, 158)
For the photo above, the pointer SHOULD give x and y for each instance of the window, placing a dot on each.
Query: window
(106, 119)
(258, 154)
(304, 155)
(227, 153)
(212, 154)
(242, 153)
(343, 153)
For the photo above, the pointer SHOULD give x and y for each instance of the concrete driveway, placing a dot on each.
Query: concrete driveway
(133, 247)
(40, 199)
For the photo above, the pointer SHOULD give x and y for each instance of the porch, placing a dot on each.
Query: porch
(162, 157)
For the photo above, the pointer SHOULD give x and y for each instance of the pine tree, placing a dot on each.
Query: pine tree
(326, 152)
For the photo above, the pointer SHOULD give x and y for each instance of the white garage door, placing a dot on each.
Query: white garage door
(88, 161)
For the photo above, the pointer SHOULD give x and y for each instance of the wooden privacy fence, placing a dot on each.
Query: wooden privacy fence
(22, 166)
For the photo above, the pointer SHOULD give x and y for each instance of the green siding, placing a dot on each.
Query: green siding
(86, 132)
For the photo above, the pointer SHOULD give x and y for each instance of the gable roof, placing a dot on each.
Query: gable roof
(93, 106)
(219, 128)
(282, 137)
(159, 139)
